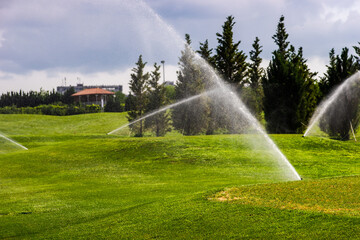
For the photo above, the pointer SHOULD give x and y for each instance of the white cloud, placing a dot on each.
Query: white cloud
(265, 63)
(317, 64)
(333, 13)
(88, 35)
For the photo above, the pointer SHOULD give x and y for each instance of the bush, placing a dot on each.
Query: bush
(92, 108)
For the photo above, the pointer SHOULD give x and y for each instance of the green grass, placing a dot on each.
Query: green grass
(77, 182)
(24, 124)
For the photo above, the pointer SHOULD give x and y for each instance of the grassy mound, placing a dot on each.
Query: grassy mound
(77, 182)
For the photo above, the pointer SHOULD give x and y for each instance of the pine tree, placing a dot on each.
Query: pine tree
(345, 110)
(159, 123)
(189, 118)
(206, 52)
(229, 60)
(357, 51)
(305, 89)
(281, 37)
(290, 91)
(253, 94)
(330, 79)
(230, 63)
(138, 87)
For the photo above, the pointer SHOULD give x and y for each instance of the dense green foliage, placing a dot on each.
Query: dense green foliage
(339, 69)
(290, 91)
(116, 103)
(77, 182)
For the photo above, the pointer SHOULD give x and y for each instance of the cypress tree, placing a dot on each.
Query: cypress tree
(229, 60)
(138, 85)
(252, 95)
(206, 52)
(305, 90)
(159, 123)
(189, 118)
(290, 91)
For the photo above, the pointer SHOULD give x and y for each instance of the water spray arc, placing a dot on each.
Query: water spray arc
(324, 106)
(162, 110)
(257, 126)
(221, 87)
(14, 142)
(240, 107)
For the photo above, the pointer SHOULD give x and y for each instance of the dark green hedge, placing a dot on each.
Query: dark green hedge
(58, 110)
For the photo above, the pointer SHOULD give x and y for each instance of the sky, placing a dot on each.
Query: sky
(44, 44)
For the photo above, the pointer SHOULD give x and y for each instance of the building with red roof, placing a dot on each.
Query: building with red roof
(91, 96)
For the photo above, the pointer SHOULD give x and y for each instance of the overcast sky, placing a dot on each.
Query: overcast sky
(43, 42)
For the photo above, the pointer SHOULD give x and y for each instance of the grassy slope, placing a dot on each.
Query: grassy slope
(76, 182)
(24, 124)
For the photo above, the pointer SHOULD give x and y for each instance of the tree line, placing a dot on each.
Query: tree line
(33, 98)
(284, 95)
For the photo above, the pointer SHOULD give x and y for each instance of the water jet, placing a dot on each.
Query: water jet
(14, 142)
(162, 110)
(343, 90)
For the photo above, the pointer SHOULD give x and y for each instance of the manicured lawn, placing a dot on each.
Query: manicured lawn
(77, 182)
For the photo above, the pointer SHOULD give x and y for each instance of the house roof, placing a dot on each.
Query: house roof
(93, 91)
